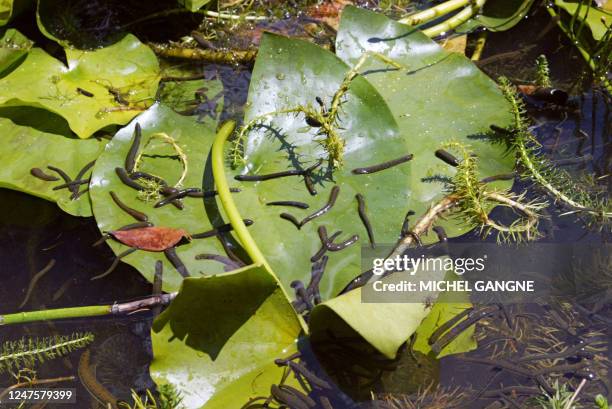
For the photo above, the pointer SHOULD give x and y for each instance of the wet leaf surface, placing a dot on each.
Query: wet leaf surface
(218, 339)
(24, 147)
(13, 47)
(195, 140)
(98, 88)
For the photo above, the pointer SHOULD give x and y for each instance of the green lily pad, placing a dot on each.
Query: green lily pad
(498, 15)
(438, 96)
(593, 16)
(193, 5)
(127, 68)
(195, 140)
(9, 8)
(218, 339)
(24, 148)
(13, 47)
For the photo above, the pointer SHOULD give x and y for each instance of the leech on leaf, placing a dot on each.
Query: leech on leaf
(259, 178)
(85, 93)
(176, 262)
(406, 224)
(319, 254)
(38, 173)
(224, 228)
(71, 184)
(382, 166)
(290, 203)
(447, 158)
(330, 203)
(364, 218)
(130, 159)
(333, 246)
(132, 212)
(125, 178)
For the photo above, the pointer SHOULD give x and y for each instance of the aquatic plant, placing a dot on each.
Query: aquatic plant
(169, 398)
(542, 72)
(325, 119)
(29, 352)
(533, 166)
(475, 200)
(560, 399)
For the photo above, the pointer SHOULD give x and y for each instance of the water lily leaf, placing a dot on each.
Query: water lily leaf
(218, 339)
(24, 148)
(291, 72)
(10, 8)
(160, 159)
(386, 326)
(193, 5)
(98, 88)
(13, 47)
(498, 15)
(596, 19)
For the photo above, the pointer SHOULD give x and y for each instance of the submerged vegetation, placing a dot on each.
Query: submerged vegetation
(246, 157)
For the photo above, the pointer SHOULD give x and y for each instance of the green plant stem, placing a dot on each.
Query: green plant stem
(480, 45)
(433, 12)
(455, 21)
(86, 311)
(218, 168)
(585, 54)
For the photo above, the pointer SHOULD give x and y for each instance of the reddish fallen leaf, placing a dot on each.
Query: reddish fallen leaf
(150, 238)
(328, 11)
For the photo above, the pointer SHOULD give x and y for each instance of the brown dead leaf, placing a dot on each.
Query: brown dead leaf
(150, 238)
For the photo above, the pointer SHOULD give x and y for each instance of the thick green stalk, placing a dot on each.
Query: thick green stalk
(86, 311)
(54, 314)
(218, 168)
(433, 12)
(455, 21)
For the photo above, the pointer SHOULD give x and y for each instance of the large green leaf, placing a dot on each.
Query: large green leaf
(218, 339)
(195, 139)
(596, 19)
(438, 96)
(13, 47)
(24, 148)
(498, 15)
(193, 5)
(127, 67)
(287, 73)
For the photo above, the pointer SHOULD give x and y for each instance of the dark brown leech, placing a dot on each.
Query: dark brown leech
(95, 388)
(494, 178)
(130, 159)
(454, 332)
(316, 274)
(259, 178)
(286, 399)
(305, 398)
(310, 185)
(447, 158)
(223, 260)
(114, 264)
(63, 175)
(314, 380)
(441, 233)
(330, 203)
(176, 261)
(38, 173)
(364, 218)
(141, 217)
(300, 294)
(323, 248)
(447, 325)
(406, 224)
(84, 170)
(382, 166)
(148, 176)
(85, 93)
(79, 194)
(107, 236)
(157, 285)
(224, 228)
(333, 246)
(125, 178)
(35, 280)
(292, 219)
(177, 195)
(69, 185)
(290, 203)
(575, 350)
